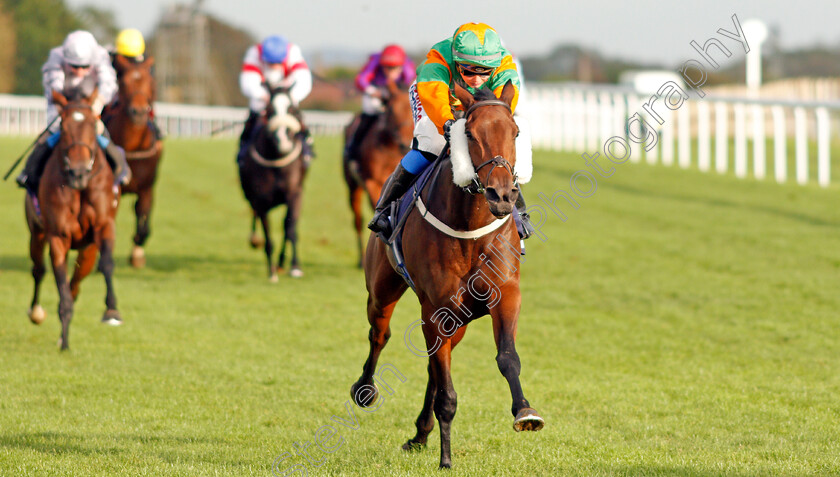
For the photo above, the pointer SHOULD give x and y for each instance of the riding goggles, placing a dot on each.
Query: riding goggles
(473, 70)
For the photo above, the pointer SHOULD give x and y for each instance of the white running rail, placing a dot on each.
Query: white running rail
(26, 116)
(581, 117)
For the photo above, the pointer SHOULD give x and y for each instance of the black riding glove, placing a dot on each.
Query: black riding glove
(446, 127)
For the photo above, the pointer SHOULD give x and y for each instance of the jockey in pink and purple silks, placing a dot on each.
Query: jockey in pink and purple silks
(390, 64)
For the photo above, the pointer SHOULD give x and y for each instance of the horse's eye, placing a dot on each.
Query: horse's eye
(517, 132)
(469, 134)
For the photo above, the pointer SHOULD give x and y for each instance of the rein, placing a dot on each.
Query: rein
(145, 153)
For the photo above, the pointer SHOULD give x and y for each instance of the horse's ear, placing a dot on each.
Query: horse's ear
(121, 63)
(59, 100)
(149, 62)
(464, 96)
(508, 92)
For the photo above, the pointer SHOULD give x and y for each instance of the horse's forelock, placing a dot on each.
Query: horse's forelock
(484, 95)
(136, 78)
(75, 95)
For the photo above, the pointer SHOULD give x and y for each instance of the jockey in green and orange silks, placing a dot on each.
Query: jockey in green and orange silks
(475, 59)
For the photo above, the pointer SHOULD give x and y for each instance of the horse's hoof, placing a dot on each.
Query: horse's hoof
(138, 257)
(37, 314)
(112, 318)
(358, 393)
(62, 346)
(274, 278)
(445, 465)
(413, 446)
(296, 273)
(527, 419)
(256, 241)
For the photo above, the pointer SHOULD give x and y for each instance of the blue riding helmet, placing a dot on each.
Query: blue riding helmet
(275, 49)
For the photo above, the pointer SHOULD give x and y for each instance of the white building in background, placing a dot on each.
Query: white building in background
(648, 82)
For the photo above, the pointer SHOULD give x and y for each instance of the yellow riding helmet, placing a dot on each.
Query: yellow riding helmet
(130, 43)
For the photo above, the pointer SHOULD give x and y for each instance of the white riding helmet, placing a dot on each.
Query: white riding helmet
(78, 48)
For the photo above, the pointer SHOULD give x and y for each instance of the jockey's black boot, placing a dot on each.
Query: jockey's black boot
(527, 227)
(245, 137)
(116, 158)
(30, 177)
(396, 185)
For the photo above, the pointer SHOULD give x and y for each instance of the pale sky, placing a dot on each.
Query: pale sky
(650, 30)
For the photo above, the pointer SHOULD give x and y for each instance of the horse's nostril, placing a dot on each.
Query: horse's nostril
(491, 194)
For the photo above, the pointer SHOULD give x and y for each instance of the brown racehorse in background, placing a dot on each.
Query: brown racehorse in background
(129, 126)
(380, 151)
(78, 204)
(272, 173)
(473, 276)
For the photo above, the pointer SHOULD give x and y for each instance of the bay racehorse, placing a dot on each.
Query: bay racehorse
(271, 172)
(379, 153)
(77, 203)
(460, 246)
(129, 123)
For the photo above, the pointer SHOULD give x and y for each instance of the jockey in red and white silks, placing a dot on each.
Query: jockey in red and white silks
(277, 63)
(274, 63)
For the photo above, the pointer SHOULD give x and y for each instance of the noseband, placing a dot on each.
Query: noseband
(477, 187)
(136, 113)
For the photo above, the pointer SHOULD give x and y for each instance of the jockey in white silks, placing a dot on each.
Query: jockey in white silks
(80, 66)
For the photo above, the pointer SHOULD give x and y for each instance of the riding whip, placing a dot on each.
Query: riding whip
(26, 151)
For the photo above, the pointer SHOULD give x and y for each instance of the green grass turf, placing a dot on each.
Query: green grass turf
(678, 323)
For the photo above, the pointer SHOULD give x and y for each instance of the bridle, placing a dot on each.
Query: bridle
(476, 186)
(286, 91)
(135, 74)
(135, 113)
(74, 143)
